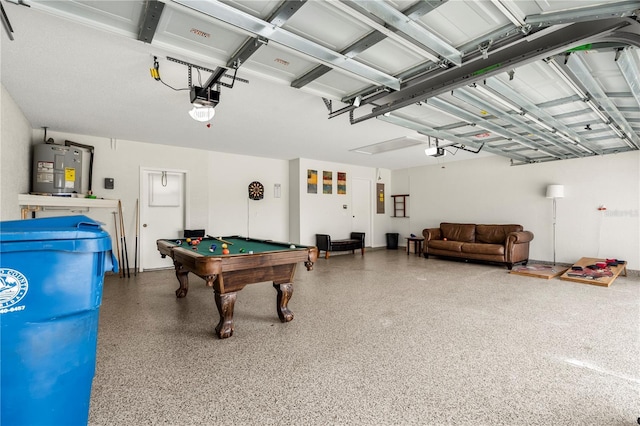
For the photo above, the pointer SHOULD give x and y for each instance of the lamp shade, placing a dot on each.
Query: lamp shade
(555, 191)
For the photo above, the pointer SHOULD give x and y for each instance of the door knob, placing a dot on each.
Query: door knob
(144, 225)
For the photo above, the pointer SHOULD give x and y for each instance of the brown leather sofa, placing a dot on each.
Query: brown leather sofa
(504, 244)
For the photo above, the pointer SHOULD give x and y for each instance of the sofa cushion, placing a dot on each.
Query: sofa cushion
(446, 245)
(465, 232)
(495, 234)
(483, 248)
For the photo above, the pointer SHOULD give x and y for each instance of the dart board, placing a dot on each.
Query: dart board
(256, 190)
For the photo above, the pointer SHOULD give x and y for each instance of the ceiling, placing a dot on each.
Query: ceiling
(361, 82)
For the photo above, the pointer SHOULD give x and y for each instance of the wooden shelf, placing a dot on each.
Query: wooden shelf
(33, 203)
(400, 205)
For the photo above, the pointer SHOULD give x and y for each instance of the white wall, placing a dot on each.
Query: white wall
(15, 156)
(489, 190)
(122, 160)
(485, 190)
(324, 213)
(230, 210)
(218, 182)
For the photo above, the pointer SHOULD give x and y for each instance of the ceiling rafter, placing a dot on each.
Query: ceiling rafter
(409, 27)
(451, 138)
(278, 18)
(577, 66)
(485, 124)
(465, 95)
(518, 54)
(225, 13)
(413, 12)
(584, 14)
(503, 89)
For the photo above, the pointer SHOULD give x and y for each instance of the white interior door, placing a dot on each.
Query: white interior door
(162, 213)
(361, 208)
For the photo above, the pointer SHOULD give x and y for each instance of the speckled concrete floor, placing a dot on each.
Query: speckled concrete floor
(384, 339)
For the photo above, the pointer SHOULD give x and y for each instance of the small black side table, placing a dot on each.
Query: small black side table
(417, 245)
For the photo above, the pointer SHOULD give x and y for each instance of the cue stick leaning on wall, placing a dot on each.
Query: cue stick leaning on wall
(135, 259)
(115, 223)
(125, 253)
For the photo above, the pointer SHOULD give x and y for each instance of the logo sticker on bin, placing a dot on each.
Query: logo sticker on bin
(13, 287)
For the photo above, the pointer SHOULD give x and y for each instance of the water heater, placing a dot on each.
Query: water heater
(57, 169)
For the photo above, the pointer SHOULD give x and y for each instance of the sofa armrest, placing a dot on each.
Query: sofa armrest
(323, 242)
(516, 248)
(358, 236)
(519, 237)
(431, 234)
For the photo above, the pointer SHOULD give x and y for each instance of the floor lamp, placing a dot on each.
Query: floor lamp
(554, 192)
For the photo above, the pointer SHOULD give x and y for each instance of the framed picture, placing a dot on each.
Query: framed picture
(342, 183)
(312, 181)
(327, 182)
(380, 198)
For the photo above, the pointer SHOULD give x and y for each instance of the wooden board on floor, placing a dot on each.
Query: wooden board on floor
(539, 271)
(602, 277)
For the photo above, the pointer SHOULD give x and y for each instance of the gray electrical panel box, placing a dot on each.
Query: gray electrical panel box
(57, 169)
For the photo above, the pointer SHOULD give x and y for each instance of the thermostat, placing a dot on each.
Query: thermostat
(108, 183)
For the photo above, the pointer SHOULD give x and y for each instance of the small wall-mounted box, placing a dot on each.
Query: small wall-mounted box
(108, 183)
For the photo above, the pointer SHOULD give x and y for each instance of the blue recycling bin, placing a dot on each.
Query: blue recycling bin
(51, 276)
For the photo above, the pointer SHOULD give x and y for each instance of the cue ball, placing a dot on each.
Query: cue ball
(250, 251)
(224, 245)
(292, 246)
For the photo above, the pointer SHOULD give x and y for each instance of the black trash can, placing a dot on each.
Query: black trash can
(392, 241)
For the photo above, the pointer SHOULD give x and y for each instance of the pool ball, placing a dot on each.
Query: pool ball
(250, 251)
(188, 240)
(213, 247)
(224, 245)
(292, 246)
(241, 250)
(179, 242)
(225, 251)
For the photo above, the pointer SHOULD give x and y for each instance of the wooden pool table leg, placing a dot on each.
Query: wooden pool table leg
(284, 291)
(225, 303)
(183, 279)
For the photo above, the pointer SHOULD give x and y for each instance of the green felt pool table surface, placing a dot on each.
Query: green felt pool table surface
(236, 246)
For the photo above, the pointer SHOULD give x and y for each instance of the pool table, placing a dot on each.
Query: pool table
(249, 261)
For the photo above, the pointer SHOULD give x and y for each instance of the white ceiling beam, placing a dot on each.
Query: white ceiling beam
(447, 136)
(494, 128)
(412, 29)
(510, 14)
(577, 66)
(389, 33)
(517, 121)
(630, 71)
(232, 16)
(540, 114)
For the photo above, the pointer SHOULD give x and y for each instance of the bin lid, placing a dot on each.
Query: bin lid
(51, 228)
